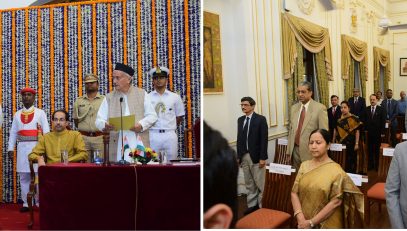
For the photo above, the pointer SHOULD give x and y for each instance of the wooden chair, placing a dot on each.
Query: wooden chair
(31, 193)
(362, 154)
(376, 192)
(339, 156)
(401, 127)
(280, 156)
(276, 204)
(33, 183)
(386, 136)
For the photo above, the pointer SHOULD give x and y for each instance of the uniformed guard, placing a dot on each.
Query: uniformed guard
(85, 110)
(170, 111)
(28, 124)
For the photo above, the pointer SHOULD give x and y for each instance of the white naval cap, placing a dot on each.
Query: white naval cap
(159, 70)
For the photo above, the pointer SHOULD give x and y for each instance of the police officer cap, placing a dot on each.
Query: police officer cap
(90, 78)
(124, 68)
(159, 71)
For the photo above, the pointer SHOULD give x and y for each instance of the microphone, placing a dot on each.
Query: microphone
(122, 161)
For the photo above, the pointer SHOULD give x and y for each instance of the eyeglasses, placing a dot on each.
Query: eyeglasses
(60, 119)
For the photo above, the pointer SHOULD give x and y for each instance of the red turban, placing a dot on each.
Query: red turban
(28, 89)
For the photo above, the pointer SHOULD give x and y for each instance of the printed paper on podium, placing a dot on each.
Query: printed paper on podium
(128, 122)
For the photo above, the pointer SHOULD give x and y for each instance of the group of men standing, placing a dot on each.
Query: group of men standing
(252, 139)
(157, 116)
(305, 116)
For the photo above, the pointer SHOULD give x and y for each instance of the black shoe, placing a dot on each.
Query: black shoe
(24, 209)
(251, 209)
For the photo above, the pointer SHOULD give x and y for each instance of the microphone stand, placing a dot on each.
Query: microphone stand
(122, 161)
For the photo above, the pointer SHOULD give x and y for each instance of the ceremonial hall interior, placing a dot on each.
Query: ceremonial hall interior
(309, 98)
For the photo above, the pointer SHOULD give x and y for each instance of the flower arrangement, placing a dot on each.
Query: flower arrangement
(143, 155)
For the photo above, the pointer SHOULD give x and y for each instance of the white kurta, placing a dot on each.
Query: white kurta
(149, 119)
(24, 148)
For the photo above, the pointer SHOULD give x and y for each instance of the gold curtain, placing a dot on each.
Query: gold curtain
(381, 57)
(358, 51)
(350, 81)
(363, 83)
(322, 79)
(298, 76)
(312, 37)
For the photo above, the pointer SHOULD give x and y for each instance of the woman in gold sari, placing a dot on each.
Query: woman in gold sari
(347, 133)
(323, 195)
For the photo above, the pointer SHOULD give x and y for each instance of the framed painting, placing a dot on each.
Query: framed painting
(403, 66)
(212, 60)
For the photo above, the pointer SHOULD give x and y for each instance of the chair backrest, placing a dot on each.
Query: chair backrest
(401, 128)
(280, 156)
(384, 165)
(187, 133)
(386, 137)
(339, 156)
(277, 192)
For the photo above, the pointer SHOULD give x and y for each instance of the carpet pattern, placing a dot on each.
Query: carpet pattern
(12, 219)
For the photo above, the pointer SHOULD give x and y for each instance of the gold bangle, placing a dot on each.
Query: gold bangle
(297, 212)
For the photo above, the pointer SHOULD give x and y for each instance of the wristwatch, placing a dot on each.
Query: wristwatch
(311, 223)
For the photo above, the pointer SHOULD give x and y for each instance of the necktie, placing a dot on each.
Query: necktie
(372, 112)
(356, 100)
(245, 129)
(333, 111)
(300, 122)
(388, 106)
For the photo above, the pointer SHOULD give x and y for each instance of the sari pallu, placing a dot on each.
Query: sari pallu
(317, 187)
(346, 129)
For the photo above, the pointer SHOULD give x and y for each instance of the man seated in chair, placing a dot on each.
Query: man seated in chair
(60, 139)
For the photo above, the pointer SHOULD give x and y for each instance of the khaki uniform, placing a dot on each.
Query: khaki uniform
(85, 112)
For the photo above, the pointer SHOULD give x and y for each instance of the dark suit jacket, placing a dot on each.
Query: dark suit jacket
(376, 125)
(257, 138)
(392, 113)
(332, 119)
(359, 109)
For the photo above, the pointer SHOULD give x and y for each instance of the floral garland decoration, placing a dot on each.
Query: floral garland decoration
(131, 36)
(147, 43)
(32, 61)
(117, 33)
(14, 83)
(72, 44)
(102, 48)
(195, 94)
(1, 97)
(39, 58)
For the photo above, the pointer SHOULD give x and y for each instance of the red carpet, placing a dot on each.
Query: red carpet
(12, 219)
